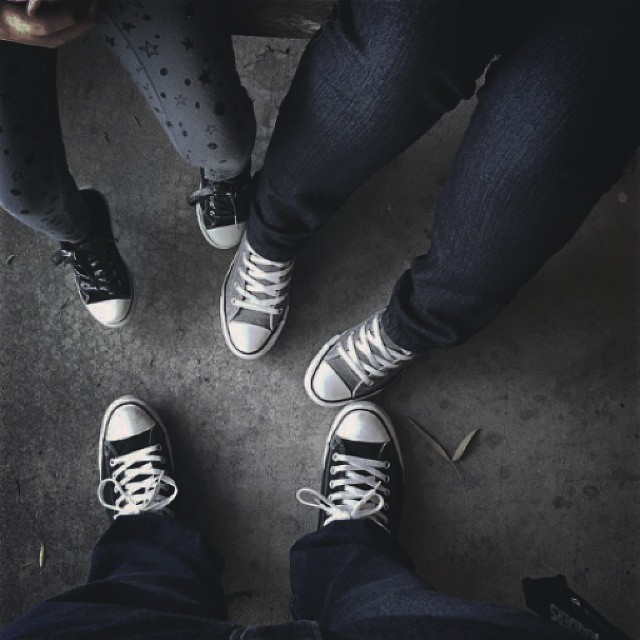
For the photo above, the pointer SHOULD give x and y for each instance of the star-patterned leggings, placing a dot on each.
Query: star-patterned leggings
(181, 58)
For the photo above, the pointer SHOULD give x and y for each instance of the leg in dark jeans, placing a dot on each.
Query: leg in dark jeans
(375, 79)
(556, 123)
(357, 582)
(151, 576)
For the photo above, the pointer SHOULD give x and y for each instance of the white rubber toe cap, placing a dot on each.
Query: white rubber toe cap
(328, 386)
(360, 425)
(225, 237)
(111, 313)
(127, 420)
(248, 338)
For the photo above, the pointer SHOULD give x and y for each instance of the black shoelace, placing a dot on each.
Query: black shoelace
(222, 202)
(94, 268)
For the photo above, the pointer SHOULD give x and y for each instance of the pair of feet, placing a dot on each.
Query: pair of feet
(362, 474)
(103, 281)
(254, 304)
(254, 301)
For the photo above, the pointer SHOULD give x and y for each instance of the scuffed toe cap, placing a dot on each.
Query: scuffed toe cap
(248, 338)
(328, 386)
(110, 313)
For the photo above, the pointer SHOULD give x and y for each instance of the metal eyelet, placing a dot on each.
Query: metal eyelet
(332, 471)
(112, 463)
(387, 478)
(387, 465)
(158, 447)
(331, 485)
(334, 457)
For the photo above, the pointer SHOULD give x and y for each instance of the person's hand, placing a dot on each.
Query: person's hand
(46, 24)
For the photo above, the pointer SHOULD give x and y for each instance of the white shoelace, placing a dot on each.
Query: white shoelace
(138, 487)
(360, 357)
(259, 282)
(351, 501)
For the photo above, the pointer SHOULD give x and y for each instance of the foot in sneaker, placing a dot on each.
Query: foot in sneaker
(102, 279)
(135, 461)
(355, 365)
(222, 209)
(363, 474)
(254, 302)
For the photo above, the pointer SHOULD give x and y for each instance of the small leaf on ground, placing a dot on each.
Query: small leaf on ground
(10, 259)
(433, 443)
(464, 445)
(42, 559)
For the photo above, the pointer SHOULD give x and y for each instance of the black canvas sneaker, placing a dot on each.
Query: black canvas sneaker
(102, 279)
(363, 474)
(135, 461)
(222, 209)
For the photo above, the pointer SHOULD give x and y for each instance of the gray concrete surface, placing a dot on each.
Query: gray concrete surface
(551, 485)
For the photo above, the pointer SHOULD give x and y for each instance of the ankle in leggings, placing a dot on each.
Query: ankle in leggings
(182, 61)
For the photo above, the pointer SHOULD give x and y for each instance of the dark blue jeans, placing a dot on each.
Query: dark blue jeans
(556, 122)
(152, 577)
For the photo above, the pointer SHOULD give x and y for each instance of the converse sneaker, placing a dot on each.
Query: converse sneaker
(102, 279)
(135, 460)
(355, 365)
(254, 302)
(363, 473)
(222, 209)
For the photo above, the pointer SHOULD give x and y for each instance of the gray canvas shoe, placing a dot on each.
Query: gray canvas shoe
(254, 302)
(355, 365)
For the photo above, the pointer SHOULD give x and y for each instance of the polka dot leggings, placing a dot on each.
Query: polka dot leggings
(182, 60)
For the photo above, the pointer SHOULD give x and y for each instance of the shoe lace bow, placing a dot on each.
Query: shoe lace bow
(359, 493)
(138, 483)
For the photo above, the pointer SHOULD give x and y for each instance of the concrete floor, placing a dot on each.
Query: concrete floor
(552, 484)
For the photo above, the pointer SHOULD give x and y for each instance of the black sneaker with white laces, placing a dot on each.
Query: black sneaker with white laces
(135, 461)
(363, 474)
(222, 209)
(102, 278)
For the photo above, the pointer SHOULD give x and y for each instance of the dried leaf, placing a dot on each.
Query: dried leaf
(42, 559)
(464, 445)
(10, 259)
(433, 443)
